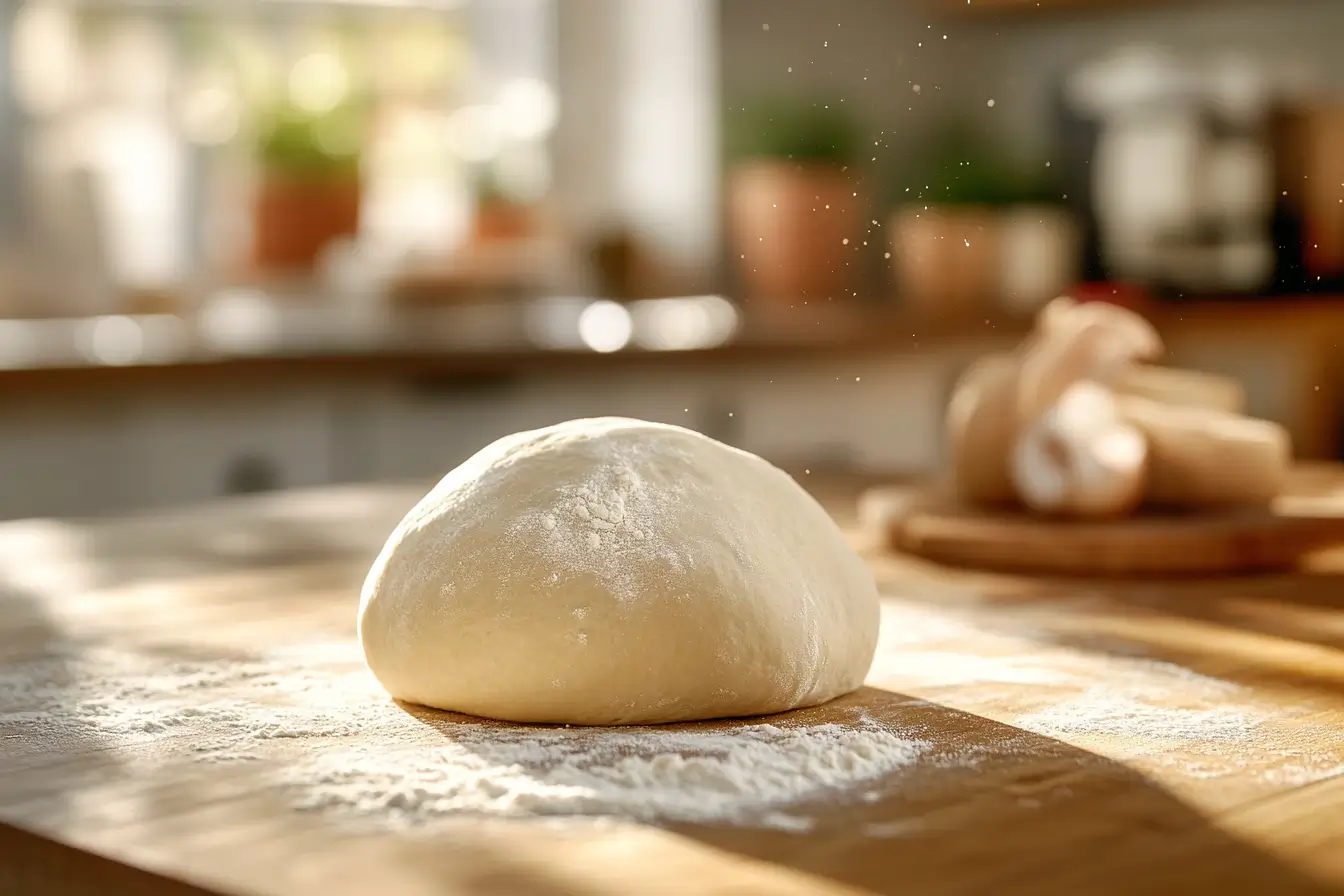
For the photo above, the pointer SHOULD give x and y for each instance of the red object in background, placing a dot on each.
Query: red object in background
(1125, 295)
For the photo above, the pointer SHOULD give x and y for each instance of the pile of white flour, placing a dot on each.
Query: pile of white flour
(361, 754)
(752, 775)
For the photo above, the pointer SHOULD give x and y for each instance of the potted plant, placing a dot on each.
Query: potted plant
(944, 243)
(981, 228)
(794, 205)
(309, 190)
(1041, 245)
(500, 215)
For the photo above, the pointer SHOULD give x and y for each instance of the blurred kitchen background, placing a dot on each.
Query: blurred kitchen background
(259, 244)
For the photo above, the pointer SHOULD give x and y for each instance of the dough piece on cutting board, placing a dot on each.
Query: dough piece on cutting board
(614, 571)
(1204, 458)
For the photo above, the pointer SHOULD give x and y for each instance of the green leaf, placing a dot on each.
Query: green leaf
(964, 167)
(804, 132)
(299, 144)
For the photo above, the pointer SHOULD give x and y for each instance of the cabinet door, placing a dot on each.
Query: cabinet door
(423, 430)
(65, 458)
(880, 415)
(184, 450)
(677, 394)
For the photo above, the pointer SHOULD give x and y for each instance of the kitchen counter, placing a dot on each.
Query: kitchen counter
(1079, 737)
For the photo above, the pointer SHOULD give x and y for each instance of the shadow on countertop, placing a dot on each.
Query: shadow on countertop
(994, 809)
(988, 809)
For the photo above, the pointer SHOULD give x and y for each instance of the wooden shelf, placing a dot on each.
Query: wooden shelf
(1304, 333)
(1020, 9)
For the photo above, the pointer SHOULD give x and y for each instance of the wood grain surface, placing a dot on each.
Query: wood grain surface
(1084, 736)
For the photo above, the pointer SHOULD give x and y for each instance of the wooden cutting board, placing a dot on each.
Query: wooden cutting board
(926, 523)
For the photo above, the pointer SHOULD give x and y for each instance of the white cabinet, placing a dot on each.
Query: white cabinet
(423, 432)
(185, 448)
(62, 457)
(70, 456)
(419, 434)
(876, 415)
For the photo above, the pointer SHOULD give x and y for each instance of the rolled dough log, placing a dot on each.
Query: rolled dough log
(981, 425)
(613, 571)
(1186, 388)
(1201, 457)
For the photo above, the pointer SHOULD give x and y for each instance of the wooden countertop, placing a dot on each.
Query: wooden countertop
(1083, 737)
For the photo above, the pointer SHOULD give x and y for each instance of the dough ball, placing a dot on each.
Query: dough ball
(612, 571)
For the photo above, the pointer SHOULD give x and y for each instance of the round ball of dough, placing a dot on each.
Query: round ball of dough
(612, 571)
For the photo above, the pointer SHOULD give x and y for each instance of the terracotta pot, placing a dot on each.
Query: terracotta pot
(295, 219)
(788, 225)
(503, 221)
(1041, 251)
(946, 259)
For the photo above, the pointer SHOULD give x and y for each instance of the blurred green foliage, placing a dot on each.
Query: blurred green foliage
(489, 186)
(803, 132)
(307, 146)
(961, 166)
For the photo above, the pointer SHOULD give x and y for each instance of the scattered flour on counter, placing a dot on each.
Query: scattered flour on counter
(128, 698)
(1107, 711)
(751, 775)
(1138, 696)
(312, 720)
(420, 769)
(1278, 768)
(1298, 772)
(889, 829)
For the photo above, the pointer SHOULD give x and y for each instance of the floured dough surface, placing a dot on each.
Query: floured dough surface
(614, 571)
